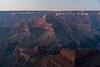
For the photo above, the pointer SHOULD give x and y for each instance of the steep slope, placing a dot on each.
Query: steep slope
(49, 34)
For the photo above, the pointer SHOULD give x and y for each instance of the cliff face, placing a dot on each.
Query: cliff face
(47, 54)
(46, 39)
(49, 33)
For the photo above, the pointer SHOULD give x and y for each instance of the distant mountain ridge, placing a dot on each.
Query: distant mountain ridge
(28, 16)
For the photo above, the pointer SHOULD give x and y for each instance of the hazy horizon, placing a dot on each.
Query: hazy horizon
(52, 5)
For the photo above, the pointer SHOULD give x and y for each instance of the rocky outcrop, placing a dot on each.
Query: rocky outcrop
(66, 58)
(48, 34)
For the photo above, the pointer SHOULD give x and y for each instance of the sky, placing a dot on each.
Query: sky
(54, 5)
